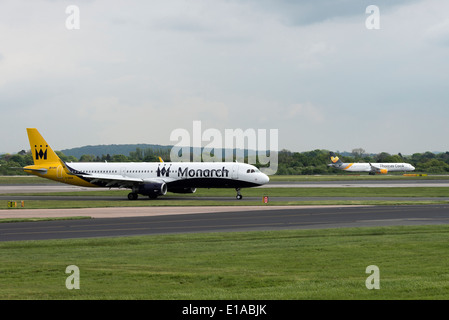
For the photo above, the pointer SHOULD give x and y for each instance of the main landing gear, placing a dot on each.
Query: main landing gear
(132, 196)
(238, 196)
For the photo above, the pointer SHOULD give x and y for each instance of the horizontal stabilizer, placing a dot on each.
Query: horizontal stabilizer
(38, 170)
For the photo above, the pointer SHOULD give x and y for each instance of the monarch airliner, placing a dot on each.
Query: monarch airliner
(371, 168)
(150, 179)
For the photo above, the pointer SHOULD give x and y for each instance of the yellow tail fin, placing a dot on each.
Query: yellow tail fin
(41, 151)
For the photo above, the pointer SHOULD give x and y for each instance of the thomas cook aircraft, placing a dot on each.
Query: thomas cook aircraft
(371, 168)
(151, 179)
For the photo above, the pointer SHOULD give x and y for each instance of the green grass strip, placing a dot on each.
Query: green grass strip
(227, 197)
(280, 192)
(294, 264)
(10, 220)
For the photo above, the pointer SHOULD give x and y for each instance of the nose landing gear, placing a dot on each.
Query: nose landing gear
(238, 196)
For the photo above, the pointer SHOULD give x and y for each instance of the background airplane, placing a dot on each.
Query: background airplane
(152, 179)
(371, 168)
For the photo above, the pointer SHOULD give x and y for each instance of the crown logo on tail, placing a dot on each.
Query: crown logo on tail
(41, 155)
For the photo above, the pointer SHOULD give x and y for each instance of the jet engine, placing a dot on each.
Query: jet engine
(153, 189)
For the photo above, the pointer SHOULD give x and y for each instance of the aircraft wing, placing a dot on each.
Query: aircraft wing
(377, 169)
(109, 180)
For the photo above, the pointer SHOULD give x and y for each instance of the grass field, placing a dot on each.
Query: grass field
(226, 197)
(296, 264)
(282, 192)
(57, 204)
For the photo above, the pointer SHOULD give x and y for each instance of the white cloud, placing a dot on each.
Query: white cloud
(307, 111)
(439, 33)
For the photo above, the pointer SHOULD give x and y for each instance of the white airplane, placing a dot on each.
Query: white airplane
(371, 168)
(151, 179)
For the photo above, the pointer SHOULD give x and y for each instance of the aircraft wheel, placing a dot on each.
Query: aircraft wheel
(238, 196)
(132, 196)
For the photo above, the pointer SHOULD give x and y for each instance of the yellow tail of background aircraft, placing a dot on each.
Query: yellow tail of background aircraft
(152, 179)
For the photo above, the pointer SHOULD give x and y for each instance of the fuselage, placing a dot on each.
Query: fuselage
(367, 167)
(174, 174)
(179, 174)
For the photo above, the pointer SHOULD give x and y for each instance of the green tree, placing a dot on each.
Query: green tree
(119, 158)
(87, 158)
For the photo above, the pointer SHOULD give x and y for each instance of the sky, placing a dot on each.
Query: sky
(135, 71)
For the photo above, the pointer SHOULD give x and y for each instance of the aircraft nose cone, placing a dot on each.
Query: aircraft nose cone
(265, 179)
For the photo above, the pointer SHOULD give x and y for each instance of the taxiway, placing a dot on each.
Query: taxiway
(218, 219)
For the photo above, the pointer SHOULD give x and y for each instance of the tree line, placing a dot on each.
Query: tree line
(315, 162)
(289, 163)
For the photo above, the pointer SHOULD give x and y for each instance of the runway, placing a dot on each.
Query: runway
(129, 221)
(359, 184)
(223, 219)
